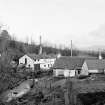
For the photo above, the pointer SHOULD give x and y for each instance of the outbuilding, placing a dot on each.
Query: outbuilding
(37, 62)
(68, 66)
(95, 66)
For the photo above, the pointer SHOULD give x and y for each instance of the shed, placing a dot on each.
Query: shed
(95, 65)
(35, 61)
(68, 66)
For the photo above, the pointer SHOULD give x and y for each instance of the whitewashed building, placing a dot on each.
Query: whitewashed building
(94, 66)
(68, 66)
(34, 61)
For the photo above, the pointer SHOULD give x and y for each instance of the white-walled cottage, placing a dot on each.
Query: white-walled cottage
(68, 66)
(37, 61)
(95, 66)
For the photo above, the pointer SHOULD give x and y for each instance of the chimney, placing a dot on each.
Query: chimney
(100, 55)
(71, 48)
(40, 49)
(58, 55)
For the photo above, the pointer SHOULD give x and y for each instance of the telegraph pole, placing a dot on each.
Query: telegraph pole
(71, 48)
(40, 50)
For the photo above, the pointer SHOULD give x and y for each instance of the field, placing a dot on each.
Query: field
(86, 92)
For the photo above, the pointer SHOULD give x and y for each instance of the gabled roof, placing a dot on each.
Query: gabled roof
(42, 56)
(94, 64)
(67, 62)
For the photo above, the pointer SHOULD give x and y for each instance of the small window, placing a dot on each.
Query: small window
(44, 65)
(29, 65)
(79, 71)
(15, 92)
(48, 65)
(25, 60)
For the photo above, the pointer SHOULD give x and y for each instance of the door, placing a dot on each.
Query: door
(36, 67)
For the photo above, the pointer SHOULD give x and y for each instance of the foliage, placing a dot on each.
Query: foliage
(8, 78)
(92, 98)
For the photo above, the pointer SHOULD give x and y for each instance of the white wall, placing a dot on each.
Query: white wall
(69, 73)
(72, 73)
(84, 70)
(44, 63)
(93, 71)
(66, 73)
(58, 72)
(30, 61)
(47, 63)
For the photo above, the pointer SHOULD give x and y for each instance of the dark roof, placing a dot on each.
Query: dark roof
(42, 56)
(67, 62)
(94, 64)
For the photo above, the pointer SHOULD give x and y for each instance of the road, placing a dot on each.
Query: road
(25, 87)
(18, 91)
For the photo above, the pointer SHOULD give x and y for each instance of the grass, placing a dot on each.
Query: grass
(52, 95)
(92, 98)
(87, 91)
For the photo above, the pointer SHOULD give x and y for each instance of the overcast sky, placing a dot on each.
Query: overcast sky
(57, 21)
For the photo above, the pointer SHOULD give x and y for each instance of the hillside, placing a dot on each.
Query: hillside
(17, 49)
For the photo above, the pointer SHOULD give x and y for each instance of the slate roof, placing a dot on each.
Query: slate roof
(67, 62)
(94, 64)
(42, 56)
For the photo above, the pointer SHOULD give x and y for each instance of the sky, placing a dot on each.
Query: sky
(57, 21)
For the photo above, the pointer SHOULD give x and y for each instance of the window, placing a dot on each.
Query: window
(79, 71)
(15, 92)
(48, 65)
(25, 60)
(29, 65)
(36, 66)
(44, 65)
